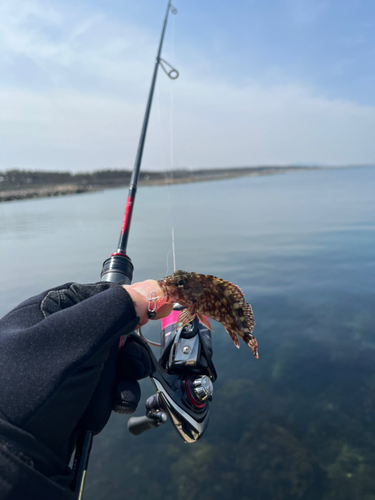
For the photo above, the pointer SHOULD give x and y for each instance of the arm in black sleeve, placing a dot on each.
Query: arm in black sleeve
(54, 350)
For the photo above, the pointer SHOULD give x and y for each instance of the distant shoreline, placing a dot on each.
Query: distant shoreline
(21, 185)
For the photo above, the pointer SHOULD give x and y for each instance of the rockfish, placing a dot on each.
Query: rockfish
(205, 295)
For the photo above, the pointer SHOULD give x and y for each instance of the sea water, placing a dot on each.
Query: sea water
(299, 422)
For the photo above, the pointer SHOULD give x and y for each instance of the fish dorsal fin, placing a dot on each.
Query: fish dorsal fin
(230, 291)
(185, 316)
(249, 317)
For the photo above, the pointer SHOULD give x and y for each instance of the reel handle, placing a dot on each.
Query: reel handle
(137, 425)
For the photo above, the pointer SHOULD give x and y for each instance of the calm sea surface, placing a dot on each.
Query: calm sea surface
(299, 423)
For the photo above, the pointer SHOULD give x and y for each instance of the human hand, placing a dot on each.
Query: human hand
(140, 294)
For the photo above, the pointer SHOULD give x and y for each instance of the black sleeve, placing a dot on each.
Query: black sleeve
(54, 349)
(29, 470)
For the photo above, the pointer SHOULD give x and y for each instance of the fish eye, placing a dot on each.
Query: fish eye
(180, 283)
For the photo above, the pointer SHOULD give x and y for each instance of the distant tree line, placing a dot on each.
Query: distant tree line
(15, 179)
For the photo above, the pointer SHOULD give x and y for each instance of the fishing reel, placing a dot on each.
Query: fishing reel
(183, 375)
(183, 378)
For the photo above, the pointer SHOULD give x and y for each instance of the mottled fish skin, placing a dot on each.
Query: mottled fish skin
(205, 295)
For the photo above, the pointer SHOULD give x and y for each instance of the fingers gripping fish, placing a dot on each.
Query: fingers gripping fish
(204, 295)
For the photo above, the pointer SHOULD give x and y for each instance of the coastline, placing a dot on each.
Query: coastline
(43, 192)
(48, 185)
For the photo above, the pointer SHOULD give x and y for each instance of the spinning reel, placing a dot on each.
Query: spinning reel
(183, 379)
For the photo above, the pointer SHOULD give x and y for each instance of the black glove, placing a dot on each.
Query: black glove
(58, 355)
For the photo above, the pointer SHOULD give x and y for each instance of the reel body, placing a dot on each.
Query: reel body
(183, 378)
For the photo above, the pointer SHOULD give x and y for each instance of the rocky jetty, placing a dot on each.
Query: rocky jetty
(43, 192)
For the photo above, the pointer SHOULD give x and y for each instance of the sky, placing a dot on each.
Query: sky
(275, 82)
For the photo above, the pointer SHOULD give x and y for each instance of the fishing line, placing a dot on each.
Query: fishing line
(172, 136)
(170, 177)
(173, 250)
(169, 172)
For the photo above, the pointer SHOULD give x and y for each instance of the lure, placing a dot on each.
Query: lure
(205, 295)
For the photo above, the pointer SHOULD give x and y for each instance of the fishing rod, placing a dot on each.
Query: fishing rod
(110, 272)
(184, 374)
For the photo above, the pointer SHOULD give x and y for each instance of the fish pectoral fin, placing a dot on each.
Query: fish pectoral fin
(185, 316)
(234, 338)
(204, 320)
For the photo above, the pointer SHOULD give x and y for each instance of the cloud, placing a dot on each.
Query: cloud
(95, 73)
(213, 125)
(270, 125)
(61, 42)
(65, 130)
(22, 24)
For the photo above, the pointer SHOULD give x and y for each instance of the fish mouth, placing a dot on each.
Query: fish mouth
(165, 283)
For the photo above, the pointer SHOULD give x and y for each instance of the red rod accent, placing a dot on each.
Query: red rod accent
(127, 214)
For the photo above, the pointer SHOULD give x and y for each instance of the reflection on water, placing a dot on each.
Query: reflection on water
(299, 422)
